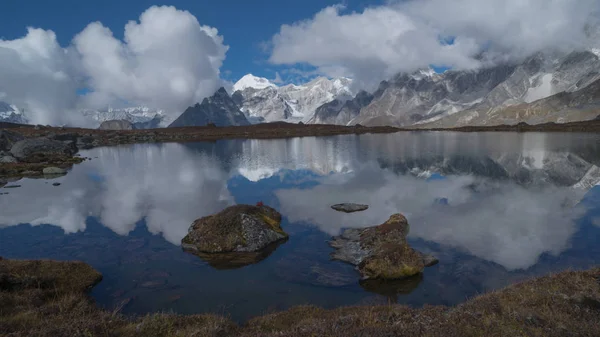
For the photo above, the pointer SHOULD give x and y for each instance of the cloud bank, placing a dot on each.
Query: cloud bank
(408, 35)
(167, 60)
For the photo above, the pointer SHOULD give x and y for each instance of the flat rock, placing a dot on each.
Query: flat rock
(381, 252)
(41, 149)
(54, 171)
(236, 229)
(350, 207)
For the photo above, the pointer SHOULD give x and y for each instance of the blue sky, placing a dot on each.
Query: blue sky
(244, 24)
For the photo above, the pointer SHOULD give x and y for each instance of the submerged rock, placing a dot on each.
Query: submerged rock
(41, 149)
(381, 252)
(350, 207)
(236, 230)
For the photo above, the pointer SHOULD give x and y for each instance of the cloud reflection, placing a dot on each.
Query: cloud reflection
(501, 222)
(163, 184)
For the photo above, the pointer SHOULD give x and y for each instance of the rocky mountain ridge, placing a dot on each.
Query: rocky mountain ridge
(409, 99)
(219, 110)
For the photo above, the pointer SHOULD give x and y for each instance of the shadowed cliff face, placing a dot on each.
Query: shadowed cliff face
(219, 109)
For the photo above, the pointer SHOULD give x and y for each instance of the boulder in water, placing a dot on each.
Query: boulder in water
(239, 229)
(381, 252)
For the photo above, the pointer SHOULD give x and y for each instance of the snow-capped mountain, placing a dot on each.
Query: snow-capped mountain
(251, 81)
(141, 117)
(475, 97)
(11, 114)
(262, 100)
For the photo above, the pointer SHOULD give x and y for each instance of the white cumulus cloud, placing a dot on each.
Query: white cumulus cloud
(166, 59)
(37, 74)
(404, 36)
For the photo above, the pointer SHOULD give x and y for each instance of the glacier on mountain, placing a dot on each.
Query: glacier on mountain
(262, 100)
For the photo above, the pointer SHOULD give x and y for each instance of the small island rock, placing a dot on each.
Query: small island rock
(350, 207)
(236, 229)
(381, 252)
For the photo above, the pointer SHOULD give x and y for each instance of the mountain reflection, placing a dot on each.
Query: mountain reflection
(511, 197)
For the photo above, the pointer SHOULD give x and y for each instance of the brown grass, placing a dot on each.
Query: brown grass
(47, 298)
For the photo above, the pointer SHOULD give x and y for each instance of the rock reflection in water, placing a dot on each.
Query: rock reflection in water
(391, 289)
(235, 260)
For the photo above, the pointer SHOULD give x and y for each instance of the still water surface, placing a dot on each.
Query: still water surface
(495, 208)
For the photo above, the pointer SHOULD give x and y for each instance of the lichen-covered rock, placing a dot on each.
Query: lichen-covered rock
(350, 207)
(237, 229)
(381, 252)
(41, 149)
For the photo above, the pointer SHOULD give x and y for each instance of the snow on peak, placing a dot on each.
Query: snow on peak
(251, 81)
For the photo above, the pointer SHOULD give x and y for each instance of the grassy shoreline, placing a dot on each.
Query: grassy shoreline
(48, 298)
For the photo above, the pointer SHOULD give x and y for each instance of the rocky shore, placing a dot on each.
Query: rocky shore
(48, 298)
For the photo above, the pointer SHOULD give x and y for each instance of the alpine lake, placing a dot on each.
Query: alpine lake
(494, 208)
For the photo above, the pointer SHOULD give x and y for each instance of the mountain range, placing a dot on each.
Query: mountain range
(546, 87)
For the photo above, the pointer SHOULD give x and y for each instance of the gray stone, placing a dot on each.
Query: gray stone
(381, 252)
(350, 207)
(54, 171)
(7, 160)
(38, 149)
(8, 139)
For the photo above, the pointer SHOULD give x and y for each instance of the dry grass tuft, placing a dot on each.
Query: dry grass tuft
(47, 298)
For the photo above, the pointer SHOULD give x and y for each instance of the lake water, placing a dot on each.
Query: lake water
(495, 208)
